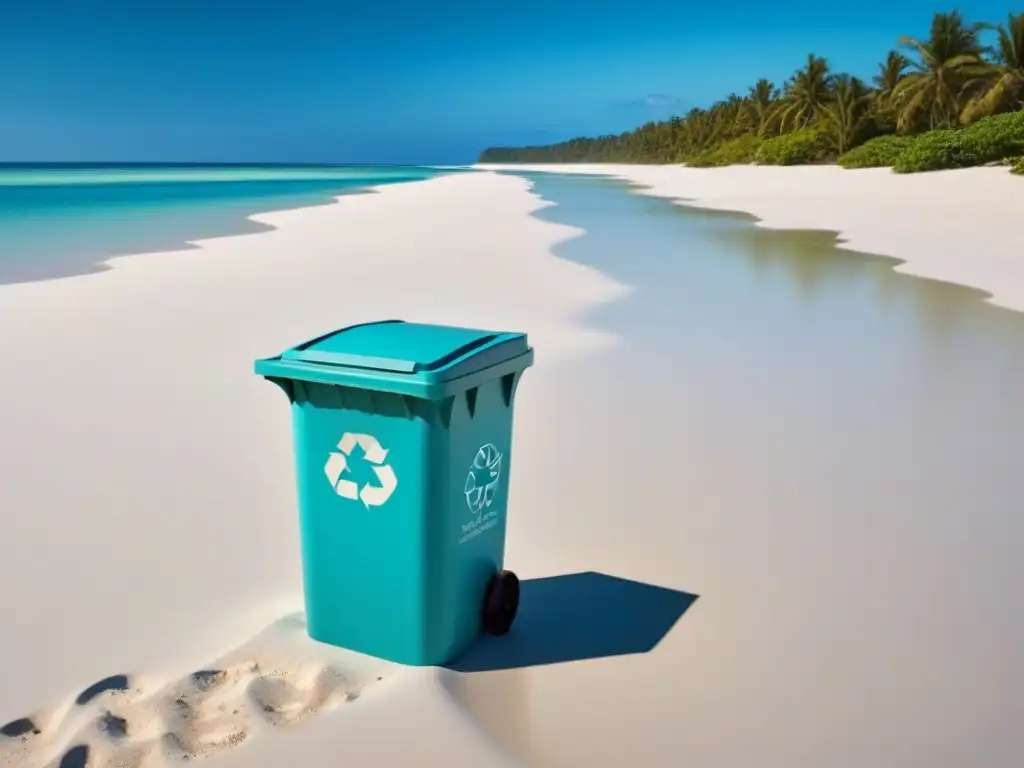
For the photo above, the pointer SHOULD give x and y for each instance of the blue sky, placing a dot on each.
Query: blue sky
(431, 81)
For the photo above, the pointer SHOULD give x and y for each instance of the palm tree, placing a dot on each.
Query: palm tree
(806, 94)
(697, 128)
(761, 98)
(1010, 48)
(847, 110)
(950, 59)
(1004, 84)
(890, 73)
(730, 114)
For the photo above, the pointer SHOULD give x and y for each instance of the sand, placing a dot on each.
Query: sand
(956, 226)
(148, 545)
(149, 522)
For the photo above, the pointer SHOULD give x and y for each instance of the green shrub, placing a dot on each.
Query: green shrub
(989, 140)
(733, 152)
(880, 152)
(811, 145)
(1018, 167)
(934, 150)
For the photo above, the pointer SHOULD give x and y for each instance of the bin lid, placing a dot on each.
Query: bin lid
(371, 354)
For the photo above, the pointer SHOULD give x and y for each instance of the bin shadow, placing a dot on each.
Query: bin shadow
(579, 616)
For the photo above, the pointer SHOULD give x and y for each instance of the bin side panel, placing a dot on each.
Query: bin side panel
(363, 495)
(469, 517)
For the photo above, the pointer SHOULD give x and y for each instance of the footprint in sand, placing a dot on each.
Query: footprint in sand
(203, 716)
(21, 727)
(123, 721)
(115, 683)
(208, 679)
(285, 700)
(115, 727)
(76, 757)
(84, 756)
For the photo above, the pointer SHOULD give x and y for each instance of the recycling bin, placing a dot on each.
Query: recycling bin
(402, 439)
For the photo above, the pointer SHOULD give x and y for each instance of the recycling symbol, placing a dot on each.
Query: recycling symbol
(482, 481)
(337, 464)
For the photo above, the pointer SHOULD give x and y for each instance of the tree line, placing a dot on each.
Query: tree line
(945, 84)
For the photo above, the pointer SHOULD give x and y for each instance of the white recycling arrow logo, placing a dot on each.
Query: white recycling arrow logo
(337, 464)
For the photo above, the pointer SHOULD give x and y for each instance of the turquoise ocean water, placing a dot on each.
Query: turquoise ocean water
(61, 220)
(828, 452)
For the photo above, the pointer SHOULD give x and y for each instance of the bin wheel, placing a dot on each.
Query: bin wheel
(501, 602)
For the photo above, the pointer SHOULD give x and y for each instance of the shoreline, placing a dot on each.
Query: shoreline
(208, 220)
(870, 211)
(209, 311)
(246, 225)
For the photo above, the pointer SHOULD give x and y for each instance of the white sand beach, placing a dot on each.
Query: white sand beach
(149, 515)
(954, 226)
(148, 522)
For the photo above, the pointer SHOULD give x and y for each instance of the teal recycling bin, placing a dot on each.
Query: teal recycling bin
(402, 438)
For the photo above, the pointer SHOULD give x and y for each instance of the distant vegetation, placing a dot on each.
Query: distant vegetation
(947, 101)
